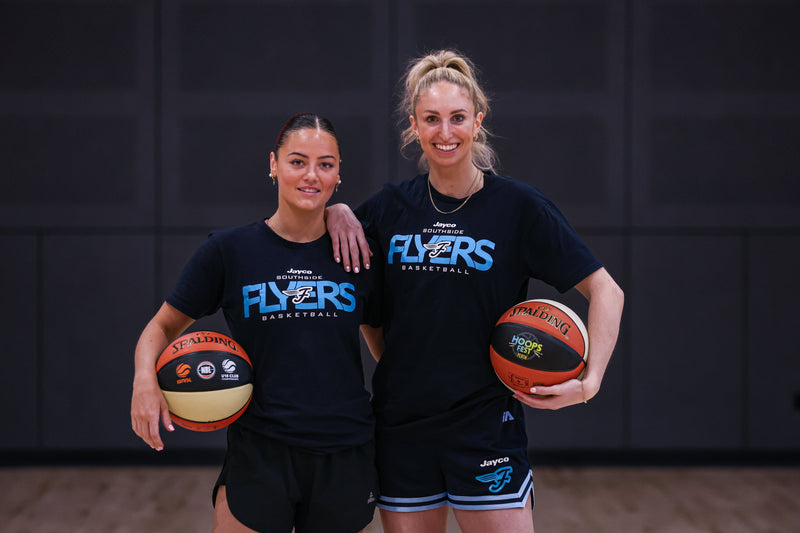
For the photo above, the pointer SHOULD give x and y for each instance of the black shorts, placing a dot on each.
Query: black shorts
(475, 458)
(271, 486)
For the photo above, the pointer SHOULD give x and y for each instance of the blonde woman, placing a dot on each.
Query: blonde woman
(460, 244)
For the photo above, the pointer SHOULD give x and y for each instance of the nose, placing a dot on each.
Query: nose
(445, 129)
(311, 173)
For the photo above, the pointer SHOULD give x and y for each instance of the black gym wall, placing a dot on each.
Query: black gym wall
(666, 131)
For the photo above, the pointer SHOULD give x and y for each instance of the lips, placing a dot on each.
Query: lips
(446, 147)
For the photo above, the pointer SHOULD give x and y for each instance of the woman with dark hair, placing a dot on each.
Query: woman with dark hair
(302, 454)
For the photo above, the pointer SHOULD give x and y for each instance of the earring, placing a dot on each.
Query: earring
(336, 189)
(273, 178)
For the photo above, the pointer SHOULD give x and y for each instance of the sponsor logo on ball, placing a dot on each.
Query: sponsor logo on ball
(206, 370)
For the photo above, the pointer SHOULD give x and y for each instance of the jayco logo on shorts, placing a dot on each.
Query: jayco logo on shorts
(494, 462)
(498, 479)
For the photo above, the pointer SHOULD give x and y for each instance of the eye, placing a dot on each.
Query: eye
(327, 165)
(296, 162)
(458, 118)
(431, 119)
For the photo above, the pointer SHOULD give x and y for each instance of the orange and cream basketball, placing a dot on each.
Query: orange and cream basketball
(206, 378)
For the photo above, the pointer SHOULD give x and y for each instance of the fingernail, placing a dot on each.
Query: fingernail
(347, 269)
(355, 270)
(171, 427)
(366, 265)
(336, 259)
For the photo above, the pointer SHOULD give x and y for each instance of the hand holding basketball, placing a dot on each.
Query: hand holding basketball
(553, 397)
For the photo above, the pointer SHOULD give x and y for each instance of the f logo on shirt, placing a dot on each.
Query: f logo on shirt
(300, 294)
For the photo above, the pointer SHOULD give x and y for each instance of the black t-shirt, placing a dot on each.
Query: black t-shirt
(296, 313)
(447, 280)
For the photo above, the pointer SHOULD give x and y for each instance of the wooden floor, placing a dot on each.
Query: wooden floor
(574, 500)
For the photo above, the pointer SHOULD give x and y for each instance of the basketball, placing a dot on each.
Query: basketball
(207, 380)
(538, 342)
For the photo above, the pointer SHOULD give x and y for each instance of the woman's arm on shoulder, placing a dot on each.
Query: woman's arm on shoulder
(350, 245)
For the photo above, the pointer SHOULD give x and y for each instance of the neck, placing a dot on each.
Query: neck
(457, 182)
(297, 227)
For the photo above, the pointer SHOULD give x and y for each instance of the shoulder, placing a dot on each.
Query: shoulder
(235, 233)
(404, 189)
(394, 197)
(518, 193)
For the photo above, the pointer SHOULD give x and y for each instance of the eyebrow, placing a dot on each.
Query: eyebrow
(304, 155)
(452, 112)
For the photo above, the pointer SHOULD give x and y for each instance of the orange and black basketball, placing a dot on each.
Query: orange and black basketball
(207, 380)
(538, 342)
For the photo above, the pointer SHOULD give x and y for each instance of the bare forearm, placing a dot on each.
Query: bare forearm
(606, 301)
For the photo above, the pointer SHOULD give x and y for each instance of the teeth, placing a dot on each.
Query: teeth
(446, 147)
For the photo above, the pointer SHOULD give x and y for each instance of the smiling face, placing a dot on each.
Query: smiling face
(307, 169)
(445, 123)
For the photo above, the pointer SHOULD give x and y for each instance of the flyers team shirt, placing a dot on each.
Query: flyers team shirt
(449, 277)
(296, 313)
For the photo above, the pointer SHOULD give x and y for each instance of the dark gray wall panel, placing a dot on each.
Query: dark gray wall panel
(734, 46)
(224, 161)
(58, 45)
(20, 331)
(97, 289)
(76, 113)
(516, 41)
(773, 376)
(603, 423)
(707, 163)
(565, 157)
(687, 345)
(715, 114)
(76, 161)
(255, 46)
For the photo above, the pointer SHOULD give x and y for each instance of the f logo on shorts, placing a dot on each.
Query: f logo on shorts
(498, 479)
